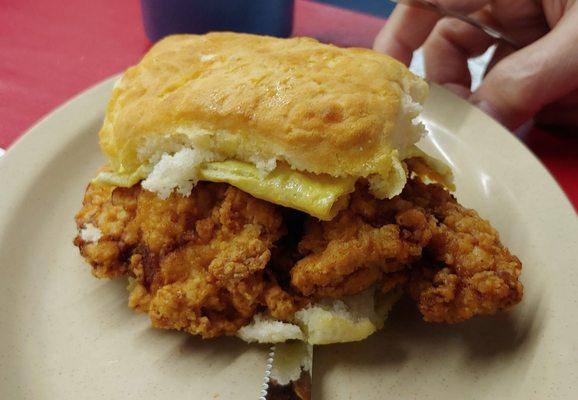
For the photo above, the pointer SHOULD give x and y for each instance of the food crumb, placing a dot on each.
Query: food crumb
(90, 233)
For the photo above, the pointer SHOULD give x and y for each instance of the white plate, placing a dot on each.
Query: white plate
(66, 335)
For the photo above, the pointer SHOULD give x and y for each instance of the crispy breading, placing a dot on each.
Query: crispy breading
(108, 256)
(469, 272)
(361, 246)
(281, 304)
(198, 261)
(207, 263)
(465, 270)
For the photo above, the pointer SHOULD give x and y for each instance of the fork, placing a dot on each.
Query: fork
(488, 30)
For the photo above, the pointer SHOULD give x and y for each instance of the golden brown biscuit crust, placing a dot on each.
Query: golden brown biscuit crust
(319, 107)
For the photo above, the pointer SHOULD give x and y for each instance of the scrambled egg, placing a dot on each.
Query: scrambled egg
(321, 196)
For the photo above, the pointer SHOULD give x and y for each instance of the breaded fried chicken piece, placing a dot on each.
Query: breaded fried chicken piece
(207, 263)
(464, 270)
(468, 271)
(360, 247)
(198, 262)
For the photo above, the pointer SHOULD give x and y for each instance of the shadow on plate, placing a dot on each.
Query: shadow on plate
(182, 348)
(484, 337)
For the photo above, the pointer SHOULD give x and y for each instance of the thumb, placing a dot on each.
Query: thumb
(521, 84)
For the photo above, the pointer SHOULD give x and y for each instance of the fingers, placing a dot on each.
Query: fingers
(408, 27)
(405, 30)
(524, 82)
(450, 45)
(502, 51)
(516, 87)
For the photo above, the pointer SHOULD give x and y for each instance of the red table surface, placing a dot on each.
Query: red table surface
(51, 50)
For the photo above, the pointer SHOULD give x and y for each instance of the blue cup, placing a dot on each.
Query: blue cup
(264, 17)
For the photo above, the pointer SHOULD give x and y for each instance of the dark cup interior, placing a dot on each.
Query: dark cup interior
(265, 17)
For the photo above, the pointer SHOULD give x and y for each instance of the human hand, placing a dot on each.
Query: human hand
(540, 80)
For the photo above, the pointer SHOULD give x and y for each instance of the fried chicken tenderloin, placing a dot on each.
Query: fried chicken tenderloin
(272, 189)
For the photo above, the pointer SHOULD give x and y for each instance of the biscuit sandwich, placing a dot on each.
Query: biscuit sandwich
(272, 189)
